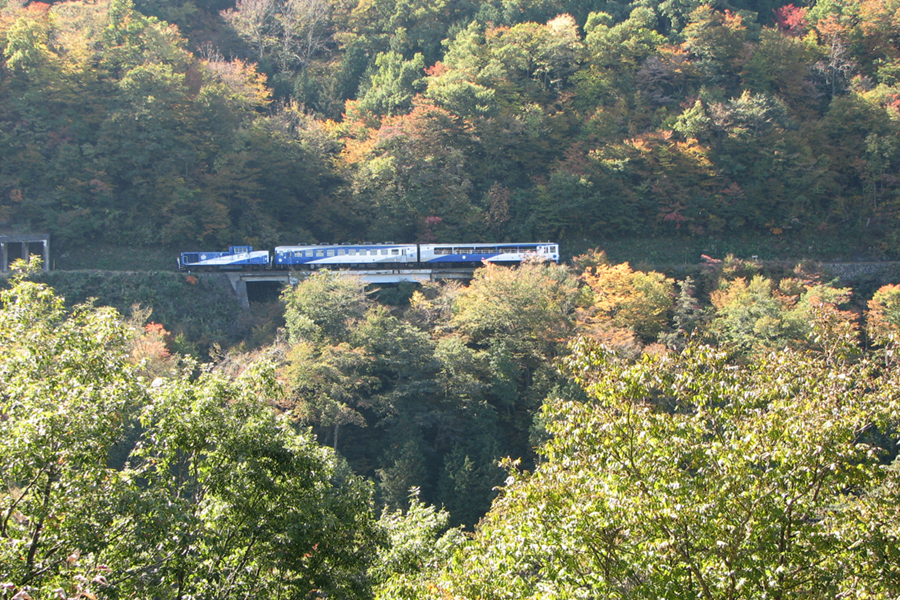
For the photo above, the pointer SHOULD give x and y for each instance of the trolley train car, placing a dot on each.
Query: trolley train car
(368, 256)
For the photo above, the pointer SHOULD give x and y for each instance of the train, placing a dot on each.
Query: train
(368, 256)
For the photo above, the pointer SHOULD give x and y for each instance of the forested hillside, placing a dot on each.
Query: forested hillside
(268, 121)
(587, 429)
(545, 432)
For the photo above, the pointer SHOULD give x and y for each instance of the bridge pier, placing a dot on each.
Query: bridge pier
(239, 285)
(239, 280)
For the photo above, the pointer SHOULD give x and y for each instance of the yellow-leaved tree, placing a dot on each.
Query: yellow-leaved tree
(625, 302)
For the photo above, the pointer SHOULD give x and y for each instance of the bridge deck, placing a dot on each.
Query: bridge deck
(239, 280)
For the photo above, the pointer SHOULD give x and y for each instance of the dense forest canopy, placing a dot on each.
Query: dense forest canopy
(271, 121)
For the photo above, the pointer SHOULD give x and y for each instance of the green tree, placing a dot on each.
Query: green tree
(516, 318)
(687, 316)
(234, 498)
(461, 82)
(716, 40)
(418, 541)
(322, 307)
(468, 478)
(67, 398)
(528, 306)
(689, 476)
(777, 66)
(757, 317)
(546, 54)
(27, 41)
(749, 314)
(391, 86)
(217, 494)
(328, 386)
(403, 363)
(414, 169)
(405, 469)
(615, 53)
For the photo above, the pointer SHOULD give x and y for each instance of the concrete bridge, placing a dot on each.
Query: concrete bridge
(240, 280)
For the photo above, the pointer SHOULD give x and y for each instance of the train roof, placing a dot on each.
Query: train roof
(489, 244)
(344, 245)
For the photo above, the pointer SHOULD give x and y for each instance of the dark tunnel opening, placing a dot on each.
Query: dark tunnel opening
(264, 291)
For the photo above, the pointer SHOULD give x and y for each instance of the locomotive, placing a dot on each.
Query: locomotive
(367, 256)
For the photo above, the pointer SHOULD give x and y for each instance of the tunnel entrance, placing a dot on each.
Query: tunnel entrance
(264, 291)
(24, 246)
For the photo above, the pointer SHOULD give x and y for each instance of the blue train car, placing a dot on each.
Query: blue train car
(472, 254)
(236, 258)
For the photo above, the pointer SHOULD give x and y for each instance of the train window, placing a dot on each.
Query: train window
(465, 250)
(395, 251)
(298, 254)
(341, 252)
(320, 253)
(487, 251)
(329, 253)
(382, 251)
(442, 251)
